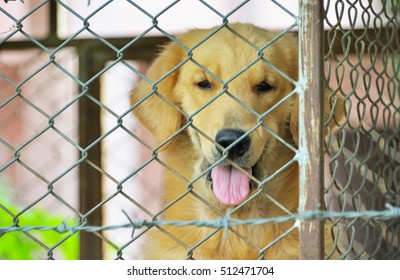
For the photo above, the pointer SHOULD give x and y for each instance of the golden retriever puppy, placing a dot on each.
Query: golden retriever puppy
(214, 120)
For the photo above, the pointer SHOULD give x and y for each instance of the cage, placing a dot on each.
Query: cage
(81, 178)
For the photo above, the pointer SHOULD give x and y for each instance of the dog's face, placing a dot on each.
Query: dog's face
(228, 91)
(227, 106)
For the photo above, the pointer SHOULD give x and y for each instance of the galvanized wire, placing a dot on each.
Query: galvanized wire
(369, 174)
(376, 172)
(225, 222)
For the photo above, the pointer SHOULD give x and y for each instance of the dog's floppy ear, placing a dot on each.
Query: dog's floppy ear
(158, 116)
(334, 113)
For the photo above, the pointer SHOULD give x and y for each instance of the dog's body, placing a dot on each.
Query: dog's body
(228, 143)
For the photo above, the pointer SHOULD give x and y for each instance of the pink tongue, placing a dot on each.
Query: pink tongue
(231, 186)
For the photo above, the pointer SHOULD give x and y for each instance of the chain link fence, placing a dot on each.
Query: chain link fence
(81, 178)
(362, 64)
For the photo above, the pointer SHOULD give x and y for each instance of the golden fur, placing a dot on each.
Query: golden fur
(192, 150)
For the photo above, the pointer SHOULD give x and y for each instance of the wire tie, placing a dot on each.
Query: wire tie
(63, 227)
(131, 222)
(395, 211)
(225, 222)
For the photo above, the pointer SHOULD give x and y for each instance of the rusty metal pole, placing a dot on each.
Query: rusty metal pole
(311, 125)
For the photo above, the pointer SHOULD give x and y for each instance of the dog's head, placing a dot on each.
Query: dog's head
(229, 91)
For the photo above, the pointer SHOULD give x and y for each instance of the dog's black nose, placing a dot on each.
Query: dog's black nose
(227, 137)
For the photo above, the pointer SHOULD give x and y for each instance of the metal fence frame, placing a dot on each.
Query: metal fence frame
(311, 143)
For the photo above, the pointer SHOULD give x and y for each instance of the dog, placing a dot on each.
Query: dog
(212, 108)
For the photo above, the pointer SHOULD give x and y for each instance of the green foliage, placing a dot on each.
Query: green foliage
(19, 246)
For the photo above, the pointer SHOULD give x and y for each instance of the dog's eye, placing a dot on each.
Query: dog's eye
(205, 84)
(263, 87)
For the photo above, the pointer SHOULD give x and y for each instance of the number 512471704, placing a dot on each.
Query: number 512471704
(247, 270)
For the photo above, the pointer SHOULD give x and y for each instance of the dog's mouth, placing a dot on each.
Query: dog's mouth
(230, 185)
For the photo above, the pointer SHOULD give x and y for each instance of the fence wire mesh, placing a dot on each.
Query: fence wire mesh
(364, 68)
(79, 176)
